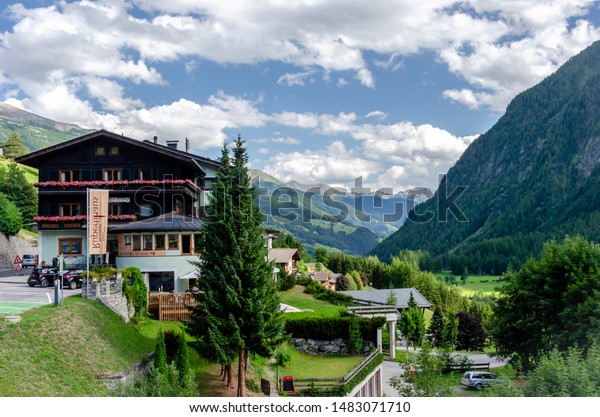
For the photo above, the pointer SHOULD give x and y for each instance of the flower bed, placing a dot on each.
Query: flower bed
(114, 182)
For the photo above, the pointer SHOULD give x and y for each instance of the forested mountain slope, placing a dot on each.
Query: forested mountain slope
(534, 175)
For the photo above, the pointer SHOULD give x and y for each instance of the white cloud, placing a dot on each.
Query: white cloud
(365, 77)
(377, 114)
(294, 79)
(286, 141)
(332, 165)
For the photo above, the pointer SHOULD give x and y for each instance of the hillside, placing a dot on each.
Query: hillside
(533, 176)
(37, 132)
(59, 351)
(345, 222)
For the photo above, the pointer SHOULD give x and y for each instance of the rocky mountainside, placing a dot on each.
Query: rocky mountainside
(535, 175)
(37, 132)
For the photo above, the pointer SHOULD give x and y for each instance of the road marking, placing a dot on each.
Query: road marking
(49, 299)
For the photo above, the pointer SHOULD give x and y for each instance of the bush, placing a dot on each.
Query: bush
(10, 217)
(341, 283)
(284, 281)
(321, 293)
(135, 290)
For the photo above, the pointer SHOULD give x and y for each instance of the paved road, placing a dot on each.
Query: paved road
(16, 296)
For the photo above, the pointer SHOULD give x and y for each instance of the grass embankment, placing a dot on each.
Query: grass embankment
(31, 174)
(59, 351)
(487, 284)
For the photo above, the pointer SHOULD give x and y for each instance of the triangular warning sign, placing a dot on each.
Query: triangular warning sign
(17, 260)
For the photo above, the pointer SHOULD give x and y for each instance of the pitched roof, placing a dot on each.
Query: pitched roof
(283, 255)
(320, 276)
(381, 296)
(34, 158)
(168, 222)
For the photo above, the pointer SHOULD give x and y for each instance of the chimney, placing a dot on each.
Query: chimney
(187, 145)
(155, 139)
(172, 144)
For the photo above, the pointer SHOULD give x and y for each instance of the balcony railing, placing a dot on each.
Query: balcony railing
(81, 217)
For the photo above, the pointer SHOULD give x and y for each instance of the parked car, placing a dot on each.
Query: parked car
(72, 278)
(29, 261)
(43, 277)
(479, 379)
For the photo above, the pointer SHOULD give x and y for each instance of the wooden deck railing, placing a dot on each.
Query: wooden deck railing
(170, 307)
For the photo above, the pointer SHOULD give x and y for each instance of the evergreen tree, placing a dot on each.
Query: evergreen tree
(438, 327)
(160, 355)
(392, 300)
(213, 320)
(13, 146)
(238, 310)
(261, 322)
(182, 362)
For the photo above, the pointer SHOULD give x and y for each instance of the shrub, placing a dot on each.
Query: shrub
(321, 293)
(284, 281)
(10, 217)
(329, 328)
(135, 290)
(341, 283)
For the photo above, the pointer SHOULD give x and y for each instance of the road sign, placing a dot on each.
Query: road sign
(17, 260)
(18, 267)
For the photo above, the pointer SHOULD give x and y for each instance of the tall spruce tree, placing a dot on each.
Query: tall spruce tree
(213, 321)
(261, 322)
(238, 310)
(13, 146)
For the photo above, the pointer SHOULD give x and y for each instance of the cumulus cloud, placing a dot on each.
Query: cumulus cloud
(80, 62)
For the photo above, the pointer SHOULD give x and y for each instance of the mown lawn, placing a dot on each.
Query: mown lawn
(295, 297)
(484, 283)
(302, 365)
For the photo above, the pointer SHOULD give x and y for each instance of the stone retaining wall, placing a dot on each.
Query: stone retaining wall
(328, 347)
(109, 292)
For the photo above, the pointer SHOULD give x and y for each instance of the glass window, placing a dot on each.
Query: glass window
(137, 242)
(112, 174)
(100, 151)
(160, 242)
(173, 241)
(197, 242)
(145, 174)
(128, 239)
(114, 150)
(69, 246)
(69, 209)
(69, 175)
(145, 210)
(147, 242)
(115, 209)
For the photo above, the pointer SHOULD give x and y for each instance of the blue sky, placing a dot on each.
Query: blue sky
(323, 91)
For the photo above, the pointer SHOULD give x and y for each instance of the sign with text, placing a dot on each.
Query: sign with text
(97, 226)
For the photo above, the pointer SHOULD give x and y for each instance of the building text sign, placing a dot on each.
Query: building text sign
(97, 226)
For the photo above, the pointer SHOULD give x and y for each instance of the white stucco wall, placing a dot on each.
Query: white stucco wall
(179, 265)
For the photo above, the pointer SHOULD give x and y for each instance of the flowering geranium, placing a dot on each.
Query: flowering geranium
(114, 182)
(81, 217)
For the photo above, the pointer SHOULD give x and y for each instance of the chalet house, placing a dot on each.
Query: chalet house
(324, 278)
(285, 259)
(157, 195)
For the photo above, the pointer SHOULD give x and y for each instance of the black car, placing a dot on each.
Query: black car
(72, 278)
(43, 277)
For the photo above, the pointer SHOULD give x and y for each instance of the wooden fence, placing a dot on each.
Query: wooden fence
(170, 307)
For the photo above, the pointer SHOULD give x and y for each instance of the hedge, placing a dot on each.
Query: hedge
(329, 328)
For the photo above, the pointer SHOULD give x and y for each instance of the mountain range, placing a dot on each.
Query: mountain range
(534, 176)
(37, 132)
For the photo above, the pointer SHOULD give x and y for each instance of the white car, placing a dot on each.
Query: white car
(29, 261)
